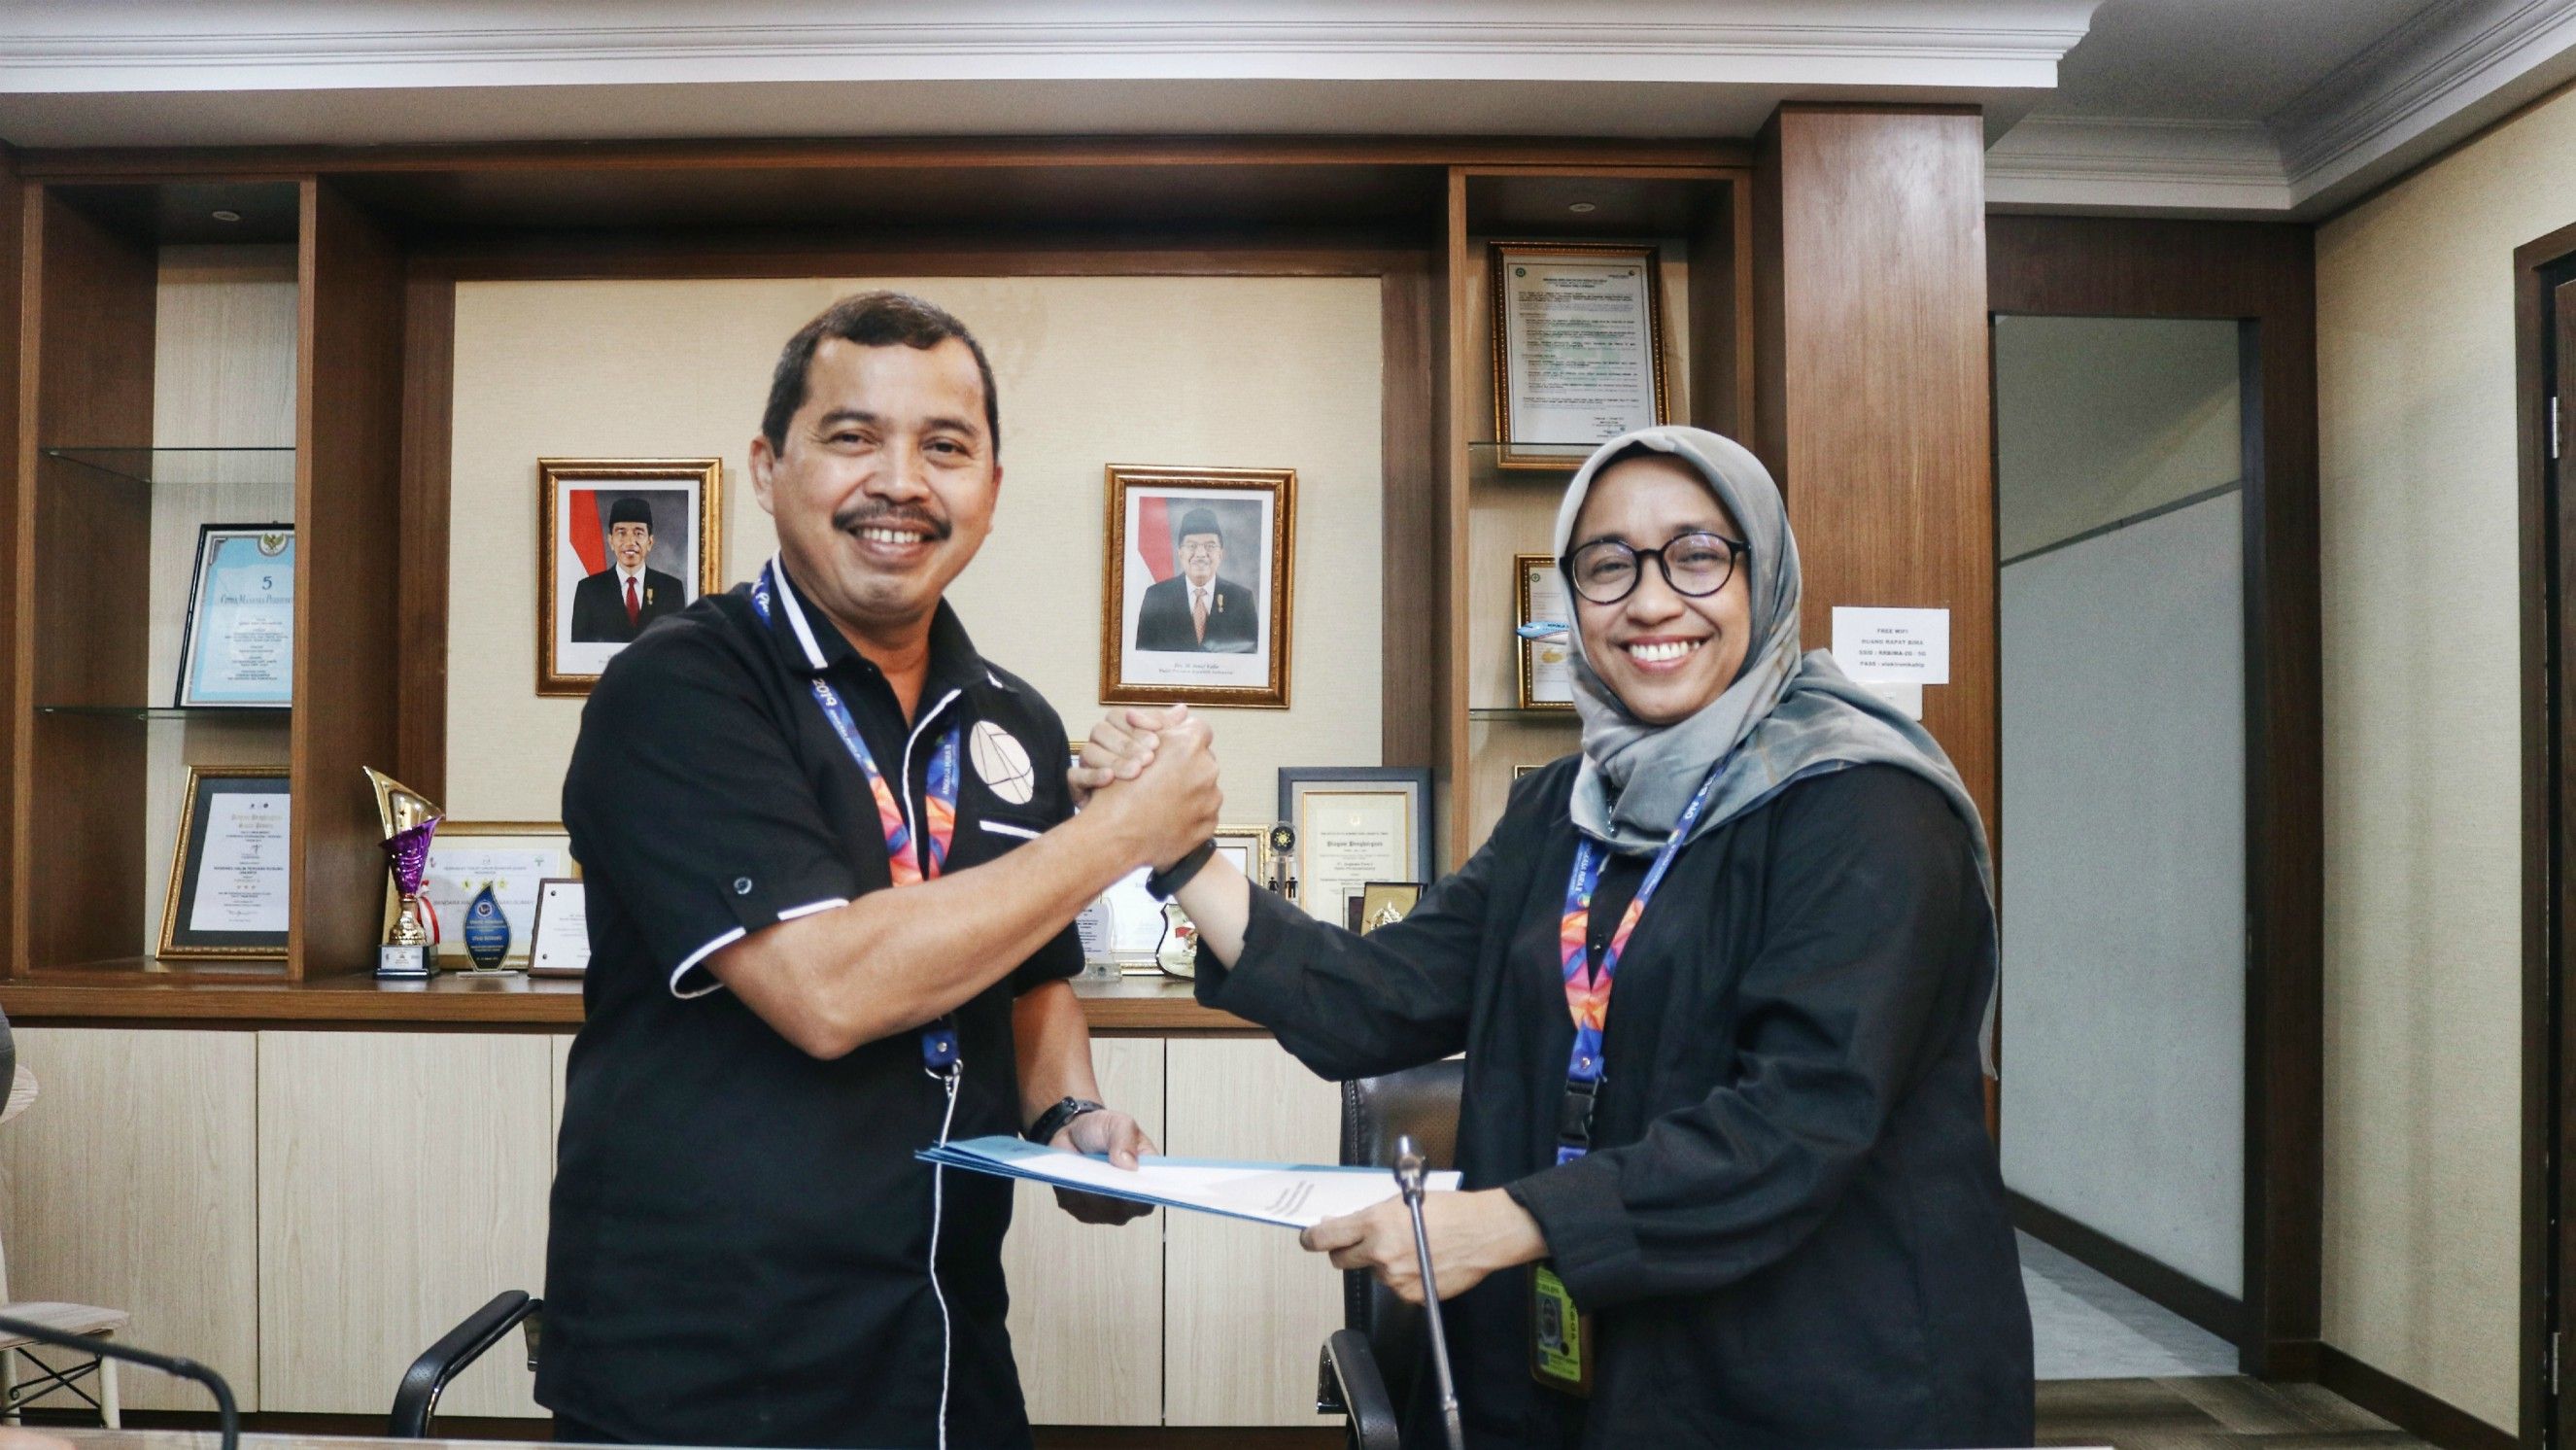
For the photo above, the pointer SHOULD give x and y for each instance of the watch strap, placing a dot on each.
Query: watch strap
(1052, 1121)
(1164, 883)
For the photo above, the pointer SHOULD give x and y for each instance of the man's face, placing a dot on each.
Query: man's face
(884, 487)
(1200, 554)
(630, 543)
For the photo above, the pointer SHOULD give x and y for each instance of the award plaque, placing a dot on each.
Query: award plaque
(1355, 825)
(1578, 348)
(559, 943)
(228, 875)
(237, 650)
(1546, 665)
(487, 931)
(409, 820)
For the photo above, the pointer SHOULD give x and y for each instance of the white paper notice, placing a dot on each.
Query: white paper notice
(1900, 646)
(241, 879)
(560, 945)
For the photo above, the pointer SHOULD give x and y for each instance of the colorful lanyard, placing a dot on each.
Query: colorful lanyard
(939, 809)
(1587, 992)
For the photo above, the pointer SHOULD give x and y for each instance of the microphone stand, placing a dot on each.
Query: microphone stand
(227, 1418)
(1409, 1169)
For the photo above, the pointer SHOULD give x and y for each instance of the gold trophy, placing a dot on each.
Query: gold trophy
(409, 820)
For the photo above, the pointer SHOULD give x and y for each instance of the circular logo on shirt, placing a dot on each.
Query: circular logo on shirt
(1002, 763)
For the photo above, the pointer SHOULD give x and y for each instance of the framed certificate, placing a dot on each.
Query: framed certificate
(228, 870)
(1355, 825)
(1578, 348)
(1546, 669)
(559, 938)
(237, 649)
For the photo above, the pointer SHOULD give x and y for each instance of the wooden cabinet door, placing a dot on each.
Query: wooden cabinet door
(1247, 1310)
(402, 1183)
(128, 1185)
(1087, 1300)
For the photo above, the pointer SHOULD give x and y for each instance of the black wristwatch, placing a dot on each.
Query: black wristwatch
(1163, 883)
(1052, 1121)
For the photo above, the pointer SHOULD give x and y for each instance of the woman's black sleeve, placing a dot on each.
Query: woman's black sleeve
(1356, 1006)
(1877, 937)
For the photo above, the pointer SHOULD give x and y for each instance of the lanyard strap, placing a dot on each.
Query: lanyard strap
(1587, 988)
(909, 866)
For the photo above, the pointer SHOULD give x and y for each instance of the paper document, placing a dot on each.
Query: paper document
(1291, 1195)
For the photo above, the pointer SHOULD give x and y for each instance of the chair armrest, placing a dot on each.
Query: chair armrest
(1348, 1381)
(416, 1399)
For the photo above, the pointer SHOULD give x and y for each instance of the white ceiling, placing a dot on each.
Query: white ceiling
(2227, 107)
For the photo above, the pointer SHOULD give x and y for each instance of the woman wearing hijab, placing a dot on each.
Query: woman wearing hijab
(1720, 981)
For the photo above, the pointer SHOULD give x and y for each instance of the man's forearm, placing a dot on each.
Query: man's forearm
(894, 960)
(1053, 1039)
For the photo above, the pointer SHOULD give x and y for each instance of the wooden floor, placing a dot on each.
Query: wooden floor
(2209, 1414)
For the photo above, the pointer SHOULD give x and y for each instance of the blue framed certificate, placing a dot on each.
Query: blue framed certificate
(238, 649)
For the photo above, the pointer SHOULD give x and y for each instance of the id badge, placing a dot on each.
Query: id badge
(1560, 1336)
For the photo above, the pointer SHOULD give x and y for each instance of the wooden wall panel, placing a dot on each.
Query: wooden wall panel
(1414, 712)
(348, 638)
(12, 213)
(1873, 401)
(85, 354)
(1086, 1299)
(1246, 1309)
(429, 389)
(403, 1181)
(129, 1184)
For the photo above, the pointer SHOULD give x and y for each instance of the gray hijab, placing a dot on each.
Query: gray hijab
(1787, 716)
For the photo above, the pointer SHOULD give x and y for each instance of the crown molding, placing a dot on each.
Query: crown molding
(2424, 86)
(56, 46)
(2137, 164)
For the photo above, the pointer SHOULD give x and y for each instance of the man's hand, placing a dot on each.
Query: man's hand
(1472, 1235)
(1117, 1135)
(1156, 782)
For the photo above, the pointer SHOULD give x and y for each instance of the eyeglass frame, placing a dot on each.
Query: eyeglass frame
(1741, 552)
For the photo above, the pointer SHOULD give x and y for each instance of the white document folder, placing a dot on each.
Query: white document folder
(1287, 1194)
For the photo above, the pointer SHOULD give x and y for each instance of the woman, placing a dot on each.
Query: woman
(1739, 1130)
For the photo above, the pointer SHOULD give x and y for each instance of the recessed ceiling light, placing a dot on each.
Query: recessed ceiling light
(1580, 207)
(225, 215)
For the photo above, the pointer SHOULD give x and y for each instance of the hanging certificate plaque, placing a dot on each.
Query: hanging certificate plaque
(238, 648)
(1578, 348)
(228, 872)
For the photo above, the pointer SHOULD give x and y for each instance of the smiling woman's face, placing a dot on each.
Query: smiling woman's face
(1665, 654)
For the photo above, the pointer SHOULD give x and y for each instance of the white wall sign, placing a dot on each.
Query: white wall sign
(1900, 646)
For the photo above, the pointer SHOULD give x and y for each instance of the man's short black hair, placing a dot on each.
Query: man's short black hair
(870, 319)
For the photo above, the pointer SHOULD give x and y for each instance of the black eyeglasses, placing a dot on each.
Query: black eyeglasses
(1696, 565)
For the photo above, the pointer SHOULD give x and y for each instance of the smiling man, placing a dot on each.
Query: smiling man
(830, 901)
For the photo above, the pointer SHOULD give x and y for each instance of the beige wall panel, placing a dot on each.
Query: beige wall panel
(1247, 371)
(1087, 1300)
(129, 1185)
(1245, 1309)
(403, 1182)
(2415, 345)
(223, 375)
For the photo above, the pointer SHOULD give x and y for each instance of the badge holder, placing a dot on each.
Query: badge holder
(1562, 1347)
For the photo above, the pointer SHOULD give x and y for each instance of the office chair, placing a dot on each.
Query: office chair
(1368, 1365)
(416, 1399)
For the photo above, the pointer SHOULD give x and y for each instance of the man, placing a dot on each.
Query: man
(830, 917)
(1194, 609)
(613, 605)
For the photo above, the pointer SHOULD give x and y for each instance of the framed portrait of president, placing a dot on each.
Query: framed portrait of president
(1195, 594)
(621, 542)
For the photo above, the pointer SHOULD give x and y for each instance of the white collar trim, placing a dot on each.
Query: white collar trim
(795, 610)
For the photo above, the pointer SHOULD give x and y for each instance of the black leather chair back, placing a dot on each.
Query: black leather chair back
(1421, 1102)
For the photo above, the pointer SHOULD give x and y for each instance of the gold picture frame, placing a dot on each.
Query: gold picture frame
(1383, 903)
(573, 644)
(1529, 654)
(173, 943)
(1565, 454)
(1151, 650)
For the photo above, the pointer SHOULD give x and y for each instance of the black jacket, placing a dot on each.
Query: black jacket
(1792, 1228)
(599, 606)
(1163, 619)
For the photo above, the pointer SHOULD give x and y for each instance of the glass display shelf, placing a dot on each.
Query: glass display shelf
(278, 713)
(185, 465)
(1534, 715)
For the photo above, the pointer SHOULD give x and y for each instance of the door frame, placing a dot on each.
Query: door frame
(2548, 970)
(2263, 276)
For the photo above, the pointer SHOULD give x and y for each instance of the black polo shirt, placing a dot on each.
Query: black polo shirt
(740, 1246)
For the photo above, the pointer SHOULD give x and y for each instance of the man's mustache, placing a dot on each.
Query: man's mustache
(879, 517)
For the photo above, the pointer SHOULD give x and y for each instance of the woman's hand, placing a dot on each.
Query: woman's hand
(1472, 1235)
(1123, 1141)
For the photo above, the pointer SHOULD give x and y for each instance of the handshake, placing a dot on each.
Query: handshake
(1149, 775)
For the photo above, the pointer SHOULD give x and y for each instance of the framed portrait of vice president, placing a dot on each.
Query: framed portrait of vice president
(1196, 589)
(621, 543)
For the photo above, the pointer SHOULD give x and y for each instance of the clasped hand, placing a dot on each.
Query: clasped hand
(1159, 767)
